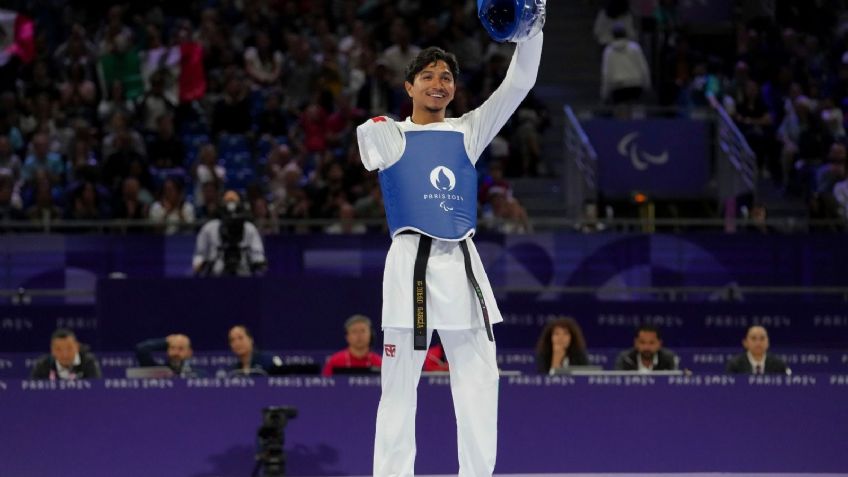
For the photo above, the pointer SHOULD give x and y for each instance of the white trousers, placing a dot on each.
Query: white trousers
(474, 388)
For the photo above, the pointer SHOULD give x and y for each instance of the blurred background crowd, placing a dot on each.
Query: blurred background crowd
(150, 111)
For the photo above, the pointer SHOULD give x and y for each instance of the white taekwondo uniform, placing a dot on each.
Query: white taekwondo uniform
(452, 305)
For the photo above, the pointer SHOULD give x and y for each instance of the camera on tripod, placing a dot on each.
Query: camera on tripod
(270, 438)
(233, 218)
(229, 245)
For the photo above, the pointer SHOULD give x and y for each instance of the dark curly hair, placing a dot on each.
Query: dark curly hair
(429, 56)
(576, 351)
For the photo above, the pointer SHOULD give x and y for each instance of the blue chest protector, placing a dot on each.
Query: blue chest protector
(432, 189)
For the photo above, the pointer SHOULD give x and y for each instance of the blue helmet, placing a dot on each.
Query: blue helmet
(511, 20)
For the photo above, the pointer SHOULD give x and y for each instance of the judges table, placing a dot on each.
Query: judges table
(598, 423)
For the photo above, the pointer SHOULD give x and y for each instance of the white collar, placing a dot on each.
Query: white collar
(641, 364)
(67, 373)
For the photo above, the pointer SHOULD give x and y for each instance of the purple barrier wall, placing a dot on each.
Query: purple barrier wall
(316, 281)
(28, 328)
(206, 428)
(604, 261)
(308, 313)
(697, 360)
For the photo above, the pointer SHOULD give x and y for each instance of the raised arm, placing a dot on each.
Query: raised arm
(485, 121)
(144, 351)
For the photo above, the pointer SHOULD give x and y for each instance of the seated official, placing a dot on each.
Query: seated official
(647, 353)
(560, 346)
(178, 353)
(229, 245)
(68, 359)
(358, 353)
(755, 359)
(249, 359)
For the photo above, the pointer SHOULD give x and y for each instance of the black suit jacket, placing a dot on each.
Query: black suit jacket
(740, 365)
(629, 360)
(87, 369)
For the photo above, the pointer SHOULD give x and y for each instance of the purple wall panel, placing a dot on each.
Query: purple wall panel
(539, 260)
(601, 424)
(308, 313)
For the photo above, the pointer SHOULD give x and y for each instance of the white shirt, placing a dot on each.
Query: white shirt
(564, 364)
(646, 369)
(623, 66)
(68, 373)
(755, 363)
(174, 218)
(451, 302)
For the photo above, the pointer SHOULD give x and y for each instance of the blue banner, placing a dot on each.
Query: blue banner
(662, 158)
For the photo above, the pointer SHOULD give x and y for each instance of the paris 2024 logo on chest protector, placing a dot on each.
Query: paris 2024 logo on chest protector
(444, 181)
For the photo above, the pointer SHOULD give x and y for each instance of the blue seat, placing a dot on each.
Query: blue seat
(231, 143)
(240, 178)
(192, 143)
(264, 146)
(195, 140)
(257, 103)
(178, 173)
(236, 160)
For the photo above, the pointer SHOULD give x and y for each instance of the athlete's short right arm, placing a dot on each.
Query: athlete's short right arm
(380, 142)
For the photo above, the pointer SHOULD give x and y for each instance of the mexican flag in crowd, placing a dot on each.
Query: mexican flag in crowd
(123, 66)
(182, 66)
(17, 37)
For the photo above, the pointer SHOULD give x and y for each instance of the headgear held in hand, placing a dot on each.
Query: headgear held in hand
(512, 20)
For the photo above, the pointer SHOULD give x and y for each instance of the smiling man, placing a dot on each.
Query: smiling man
(434, 278)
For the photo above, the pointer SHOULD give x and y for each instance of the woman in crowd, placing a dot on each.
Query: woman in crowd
(561, 345)
(249, 360)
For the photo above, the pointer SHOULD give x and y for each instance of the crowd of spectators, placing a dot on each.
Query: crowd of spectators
(780, 69)
(123, 110)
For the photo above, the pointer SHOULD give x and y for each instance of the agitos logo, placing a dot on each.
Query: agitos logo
(628, 147)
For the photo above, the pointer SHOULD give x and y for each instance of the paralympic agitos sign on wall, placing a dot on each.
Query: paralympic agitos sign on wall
(663, 158)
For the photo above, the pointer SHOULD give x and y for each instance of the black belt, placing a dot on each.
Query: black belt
(419, 291)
